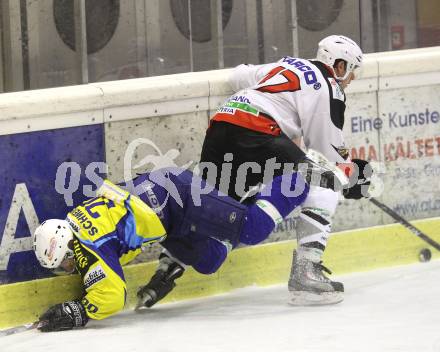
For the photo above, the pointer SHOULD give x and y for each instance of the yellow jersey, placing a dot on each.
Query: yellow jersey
(108, 234)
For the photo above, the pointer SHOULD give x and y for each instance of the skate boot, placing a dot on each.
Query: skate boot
(308, 285)
(161, 283)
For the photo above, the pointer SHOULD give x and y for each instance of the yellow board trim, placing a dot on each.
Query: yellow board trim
(268, 264)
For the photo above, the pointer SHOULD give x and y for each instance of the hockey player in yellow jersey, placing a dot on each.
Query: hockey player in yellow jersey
(98, 237)
(196, 227)
(195, 223)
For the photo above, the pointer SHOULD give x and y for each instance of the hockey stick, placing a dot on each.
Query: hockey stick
(18, 329)
(405, 223)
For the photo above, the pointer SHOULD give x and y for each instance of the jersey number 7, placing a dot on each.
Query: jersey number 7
(290, 82)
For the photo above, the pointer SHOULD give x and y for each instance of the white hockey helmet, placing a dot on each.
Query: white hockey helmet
(336, 47)
(50, 242)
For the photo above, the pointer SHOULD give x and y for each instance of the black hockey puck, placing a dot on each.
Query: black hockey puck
(425, 255)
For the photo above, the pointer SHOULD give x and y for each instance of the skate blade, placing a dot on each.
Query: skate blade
(139, 307)
(304, 298)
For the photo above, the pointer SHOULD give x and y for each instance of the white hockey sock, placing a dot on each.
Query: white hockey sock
(309, 253)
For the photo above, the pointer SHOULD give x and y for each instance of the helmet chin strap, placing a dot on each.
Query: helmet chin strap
(336, 76)
(347, 73)
(67, 266)
(343, 78)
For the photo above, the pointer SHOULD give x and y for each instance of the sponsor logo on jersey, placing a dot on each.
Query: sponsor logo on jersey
(240, 99)
(72, 225)
(309, 74)
(83, 258)
(94, 276)
(226, 110)
(338, 93)
(154, 201)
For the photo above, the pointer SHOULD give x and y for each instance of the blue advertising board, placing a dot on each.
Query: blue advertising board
(42, 175)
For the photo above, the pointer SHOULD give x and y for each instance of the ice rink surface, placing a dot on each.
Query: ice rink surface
(395, 309)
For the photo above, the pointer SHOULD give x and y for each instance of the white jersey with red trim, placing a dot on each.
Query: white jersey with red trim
(302, 96)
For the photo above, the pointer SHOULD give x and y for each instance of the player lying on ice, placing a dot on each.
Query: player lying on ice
(197, 227)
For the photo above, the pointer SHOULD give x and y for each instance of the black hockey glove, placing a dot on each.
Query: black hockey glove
(63, 316)
(360, 181)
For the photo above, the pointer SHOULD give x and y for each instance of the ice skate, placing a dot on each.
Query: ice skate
(309, 286)
(161, 284)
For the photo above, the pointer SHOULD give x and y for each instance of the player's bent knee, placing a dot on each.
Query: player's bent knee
(272, 205)
(257, 227)
(213, 258)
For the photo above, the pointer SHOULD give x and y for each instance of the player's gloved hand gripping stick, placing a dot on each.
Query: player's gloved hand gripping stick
(367, 186)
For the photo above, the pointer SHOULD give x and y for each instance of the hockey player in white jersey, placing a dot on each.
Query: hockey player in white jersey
(275, 104)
